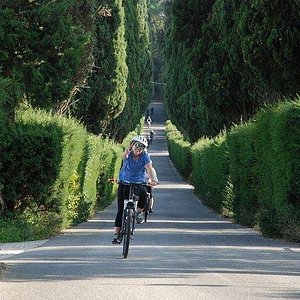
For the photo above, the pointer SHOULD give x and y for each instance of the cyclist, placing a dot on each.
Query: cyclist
(150, 191)
(149, 121)
(148, 139)
(151, 134)
(135, 160)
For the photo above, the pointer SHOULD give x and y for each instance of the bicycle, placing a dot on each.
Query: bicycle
(129, 215)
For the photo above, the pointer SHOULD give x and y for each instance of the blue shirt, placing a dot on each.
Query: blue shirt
(134, 170)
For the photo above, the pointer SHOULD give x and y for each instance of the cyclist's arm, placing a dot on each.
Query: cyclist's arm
(127, 152)
(151, 173)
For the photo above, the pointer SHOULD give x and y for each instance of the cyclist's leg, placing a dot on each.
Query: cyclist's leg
(118, 219)
(142, 193)
(121, 197)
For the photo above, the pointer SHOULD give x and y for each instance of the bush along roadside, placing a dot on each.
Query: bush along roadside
(179, 150)
(251, 173)
(53, 175)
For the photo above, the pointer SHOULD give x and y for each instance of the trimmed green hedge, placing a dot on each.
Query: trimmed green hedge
(252, 172)
(242, 155)
(179, 150)
(279, 170)
(211, 171)
(54, 175)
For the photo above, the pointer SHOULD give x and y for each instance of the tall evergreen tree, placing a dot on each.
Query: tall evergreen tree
(139, 69)
(236, 55)
(41, 48)
(104, 97)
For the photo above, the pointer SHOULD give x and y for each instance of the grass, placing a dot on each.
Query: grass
(28, 227)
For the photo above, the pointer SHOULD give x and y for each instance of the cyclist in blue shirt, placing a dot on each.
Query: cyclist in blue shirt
(136, 160)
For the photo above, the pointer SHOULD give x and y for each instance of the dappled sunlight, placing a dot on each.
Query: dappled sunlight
(100, 221)
(166, 247)
(222, 232)
(159, 153)
(191, 221)
(169, 185)
(86, 230)
(5, 252)
(94, 261)
(156, 127)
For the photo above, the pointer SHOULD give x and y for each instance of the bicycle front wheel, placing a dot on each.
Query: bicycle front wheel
(127, 232)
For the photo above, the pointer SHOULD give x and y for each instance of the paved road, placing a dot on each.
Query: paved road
(184, 252)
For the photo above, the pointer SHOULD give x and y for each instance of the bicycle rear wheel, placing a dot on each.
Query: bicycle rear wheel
(127, 232)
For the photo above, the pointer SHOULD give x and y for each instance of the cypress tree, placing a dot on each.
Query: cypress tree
(236, 55)
(104, 97)
(41, 48)
(139, 69)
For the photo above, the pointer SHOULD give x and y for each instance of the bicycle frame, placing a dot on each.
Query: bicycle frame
(131, 203)
(129, 216)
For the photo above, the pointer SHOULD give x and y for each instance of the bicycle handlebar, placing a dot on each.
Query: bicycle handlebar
(114, 180)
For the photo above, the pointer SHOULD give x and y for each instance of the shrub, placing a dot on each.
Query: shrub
(179, 150)
(242, 155)
(279, 170)
(210, 170)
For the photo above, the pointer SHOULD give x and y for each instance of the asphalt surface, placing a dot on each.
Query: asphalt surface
(185, 251)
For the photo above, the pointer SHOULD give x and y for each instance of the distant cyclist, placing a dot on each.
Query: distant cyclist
(149, 121)
(135, 160)
(148, 139)
(150, 191)
(151, 134)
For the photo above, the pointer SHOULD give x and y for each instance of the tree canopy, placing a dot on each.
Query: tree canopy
(227, 58)
(89, 59)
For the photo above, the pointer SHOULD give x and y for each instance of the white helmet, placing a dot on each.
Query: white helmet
(141, 139)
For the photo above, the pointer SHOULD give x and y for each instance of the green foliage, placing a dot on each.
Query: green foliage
(48, 49)
(95, 153)
(210, 171)
(66, 189)
(9, 94)
(105, 95)
(235, 56)
(279, 170)
(29, 225)
(270, 43)
(183, 99)
(251, 173)
(104, 160)
(51, 50)
(42, 48)
(181, 95)
(242, 154)
(60, 175)
(9, 98)
(157, 19)
(33, 156)
(106, 191)
(138, 60)
(179, 150)
(49, 158)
